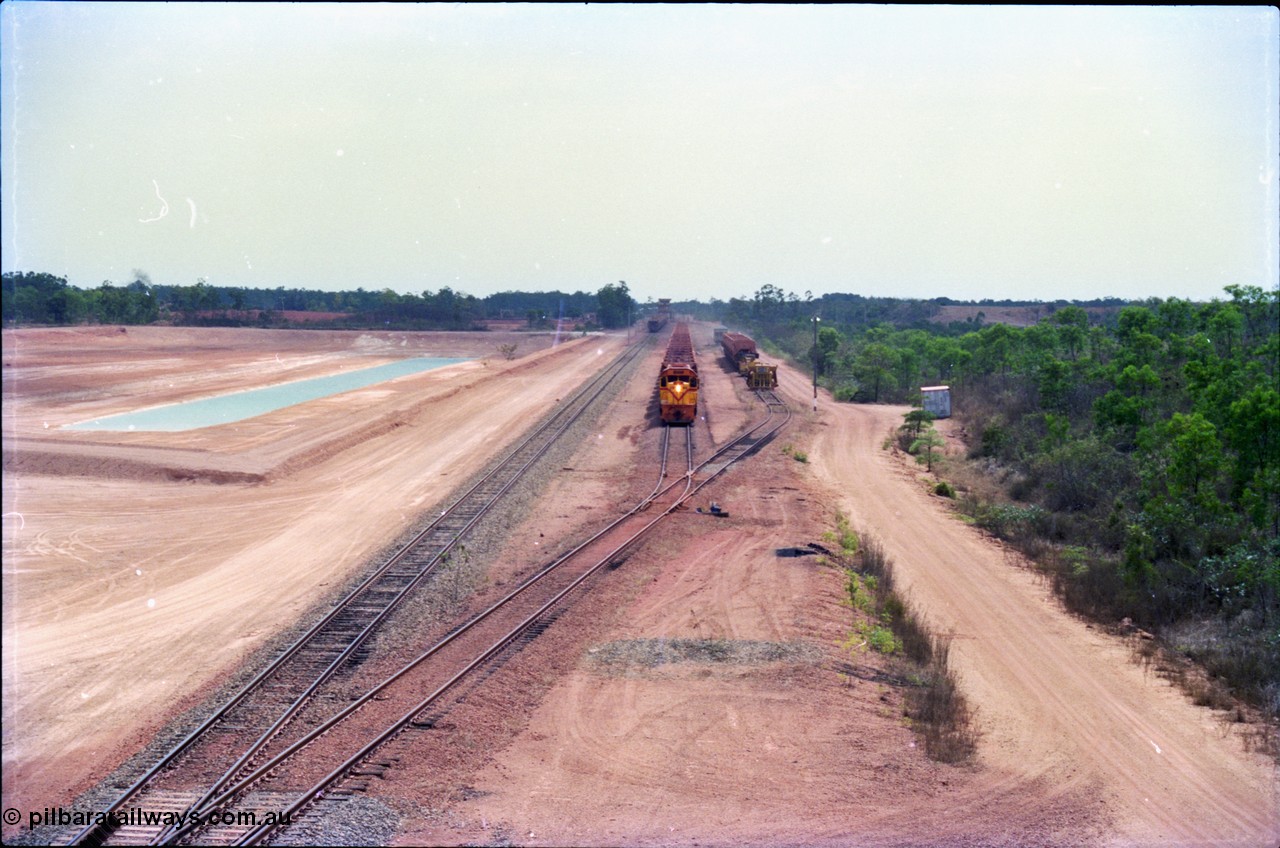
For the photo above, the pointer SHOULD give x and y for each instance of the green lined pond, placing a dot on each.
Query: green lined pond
(225, 409)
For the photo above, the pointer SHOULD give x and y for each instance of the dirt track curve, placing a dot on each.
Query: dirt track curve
(1058, 702)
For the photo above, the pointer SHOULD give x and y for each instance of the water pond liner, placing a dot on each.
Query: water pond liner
(238, 406)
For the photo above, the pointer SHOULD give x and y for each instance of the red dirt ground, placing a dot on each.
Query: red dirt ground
(1079, 745)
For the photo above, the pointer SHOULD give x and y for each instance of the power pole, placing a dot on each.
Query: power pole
(816, 319)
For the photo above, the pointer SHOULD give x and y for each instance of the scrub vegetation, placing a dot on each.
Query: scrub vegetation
(885, 623)
(1131, 450)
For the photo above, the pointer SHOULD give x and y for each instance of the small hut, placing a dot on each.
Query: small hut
(936, 400)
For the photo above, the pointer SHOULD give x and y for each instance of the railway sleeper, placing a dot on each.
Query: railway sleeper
(319, 664)
(381, 596)
(429, 548)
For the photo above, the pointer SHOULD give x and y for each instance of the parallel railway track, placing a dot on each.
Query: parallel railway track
(464, 652)
(571, 570)
(300, 772)
(267, 704)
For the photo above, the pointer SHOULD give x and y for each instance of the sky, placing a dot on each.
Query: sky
(693, 151)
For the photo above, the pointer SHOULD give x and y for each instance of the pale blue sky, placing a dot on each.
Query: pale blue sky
(693, 151)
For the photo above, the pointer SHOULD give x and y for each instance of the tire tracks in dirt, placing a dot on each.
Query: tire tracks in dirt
(1058, 702)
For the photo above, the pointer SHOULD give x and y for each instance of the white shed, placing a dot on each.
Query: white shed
(937, 400)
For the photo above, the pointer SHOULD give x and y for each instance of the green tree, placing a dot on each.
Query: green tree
(945, 358)
(37, 298)
(927, 446)
(615, 305)
(874, 367)
(916, 420)
(1184, 474)
(1226, 327)
(1073, 329)
(1252, 431)
(829, 340)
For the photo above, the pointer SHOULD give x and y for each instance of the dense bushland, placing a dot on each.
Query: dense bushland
(1138, 457)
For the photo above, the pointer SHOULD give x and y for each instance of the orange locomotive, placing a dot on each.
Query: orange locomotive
(678, 380)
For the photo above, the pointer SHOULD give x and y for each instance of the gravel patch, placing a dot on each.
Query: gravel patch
(353, 820)
(632, 655)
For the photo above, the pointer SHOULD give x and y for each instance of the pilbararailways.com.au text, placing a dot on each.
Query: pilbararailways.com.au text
(137, 816)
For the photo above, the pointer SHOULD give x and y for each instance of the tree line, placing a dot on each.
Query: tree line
(42, 298)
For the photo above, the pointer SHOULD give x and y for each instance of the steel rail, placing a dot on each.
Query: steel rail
(255, 836)
(230, 793)
(490, 501)
(553, 427)
(744, 445)
(739, 448)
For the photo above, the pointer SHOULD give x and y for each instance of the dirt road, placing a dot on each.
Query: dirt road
(1058, 701)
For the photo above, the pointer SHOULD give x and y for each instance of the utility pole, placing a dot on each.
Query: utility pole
(816, 319)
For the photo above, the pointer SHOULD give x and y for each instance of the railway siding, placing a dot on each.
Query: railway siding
(337, 641)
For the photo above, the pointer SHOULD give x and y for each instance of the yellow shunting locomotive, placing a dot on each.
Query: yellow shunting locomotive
(741, 352)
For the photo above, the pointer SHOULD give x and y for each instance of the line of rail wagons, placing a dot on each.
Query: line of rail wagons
(678, 377)
(663, 314)
(741, 352)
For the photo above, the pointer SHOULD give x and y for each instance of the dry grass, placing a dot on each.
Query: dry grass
(934, 703)
(941, 710)
(1257, 727)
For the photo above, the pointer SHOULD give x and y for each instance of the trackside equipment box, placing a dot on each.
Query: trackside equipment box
(937, 400)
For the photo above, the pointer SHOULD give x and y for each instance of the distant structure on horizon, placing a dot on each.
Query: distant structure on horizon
(662, 316)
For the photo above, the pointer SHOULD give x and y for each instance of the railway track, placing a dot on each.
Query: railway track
(349, 745)
(265, 706)
(571, 570)
(524, 612)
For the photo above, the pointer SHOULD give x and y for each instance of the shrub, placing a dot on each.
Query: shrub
(882, 639)
(798, 456)
(939, 705)
(861, 591)
(934, 704)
